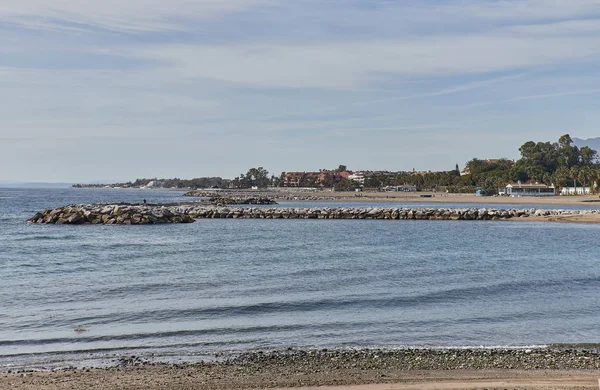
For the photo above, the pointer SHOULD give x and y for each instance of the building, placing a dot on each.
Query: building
(154, 184)
(320, 179)
(402, 188)
(358, 177)
(519, 189)
(292, 179)
(575, 191)
(406, 188)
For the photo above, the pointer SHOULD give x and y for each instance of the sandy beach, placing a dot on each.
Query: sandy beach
(433, 197)
(171, 378)
(338, 370)
(416, 197)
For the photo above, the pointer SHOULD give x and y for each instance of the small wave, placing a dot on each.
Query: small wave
(46, 238)
(145, 336)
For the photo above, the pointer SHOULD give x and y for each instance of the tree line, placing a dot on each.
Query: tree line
(559, 163)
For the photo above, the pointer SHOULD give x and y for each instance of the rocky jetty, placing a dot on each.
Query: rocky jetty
(270, 195)
(240, 201)
(467, 214)
(111, 214)
(185, 213)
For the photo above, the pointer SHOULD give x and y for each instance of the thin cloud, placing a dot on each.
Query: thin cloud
(117, 15)
(555, 94)
(447, 91)
(349, 65)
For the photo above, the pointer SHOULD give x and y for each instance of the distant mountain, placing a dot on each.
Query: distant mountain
(593, 143)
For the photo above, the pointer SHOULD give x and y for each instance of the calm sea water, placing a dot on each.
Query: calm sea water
(186, 292)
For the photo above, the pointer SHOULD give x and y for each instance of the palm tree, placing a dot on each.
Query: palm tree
(560, 177)
(595, 177)
(585, 174)
(575, 173)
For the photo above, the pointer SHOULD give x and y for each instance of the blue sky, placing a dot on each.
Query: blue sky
(97, 90)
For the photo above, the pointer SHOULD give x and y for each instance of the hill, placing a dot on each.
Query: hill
(593, 143)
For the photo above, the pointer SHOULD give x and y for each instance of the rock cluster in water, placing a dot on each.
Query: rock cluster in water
(284, 196)
(241, 201)
(186, 213)
(115, 214)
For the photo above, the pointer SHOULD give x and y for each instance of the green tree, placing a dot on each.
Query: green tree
(586, 174)
(588, 156)
(257, 177)
(345, 185)
(560, 178)
(569, 153)
(575, 172)
(328, 181)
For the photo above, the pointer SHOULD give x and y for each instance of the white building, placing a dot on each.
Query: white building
(357, 177)
(154, 184)
(402, 188)
(518, 189)
(575, 191)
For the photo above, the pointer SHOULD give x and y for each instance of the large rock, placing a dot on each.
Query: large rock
(121, 214)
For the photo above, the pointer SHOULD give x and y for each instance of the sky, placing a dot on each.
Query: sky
(116, 90)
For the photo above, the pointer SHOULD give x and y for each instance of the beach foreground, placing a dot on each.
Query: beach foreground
(161, 378)
(334, 370)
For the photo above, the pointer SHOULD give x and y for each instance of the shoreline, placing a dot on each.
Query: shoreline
(416, 197)
(378, 197)
(339, 369)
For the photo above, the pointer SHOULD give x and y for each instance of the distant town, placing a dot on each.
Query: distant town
(544, 169)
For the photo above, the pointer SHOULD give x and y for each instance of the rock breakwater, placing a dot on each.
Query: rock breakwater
(270, 195)
(186, 213)
(467, 214)
(240, 201)
(115, 214)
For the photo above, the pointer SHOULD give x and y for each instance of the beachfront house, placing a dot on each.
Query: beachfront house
(402, 188)
(575, 191)
(358, 177)
(519, 189)
(406, 188)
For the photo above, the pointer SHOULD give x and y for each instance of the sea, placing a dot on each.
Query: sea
(81, 296)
